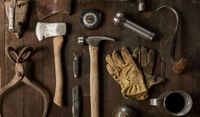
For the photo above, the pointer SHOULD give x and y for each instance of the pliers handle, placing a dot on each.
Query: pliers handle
(23, 55)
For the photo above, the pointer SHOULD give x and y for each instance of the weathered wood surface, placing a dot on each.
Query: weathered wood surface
(25, 102)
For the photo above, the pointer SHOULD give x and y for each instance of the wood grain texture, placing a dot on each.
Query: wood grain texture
(57, 45)
(25, 102)
(94, 81)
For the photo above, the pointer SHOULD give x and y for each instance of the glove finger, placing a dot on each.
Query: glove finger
(151, 61)
(117, 59)
(143, 56)
(126, 56)
(156, 81)
(151, 56)
(112, 72)
(136, 54)
(142, 96)
(110, 61)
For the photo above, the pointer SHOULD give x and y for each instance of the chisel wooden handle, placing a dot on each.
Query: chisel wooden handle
(94, 81)
(58, 96)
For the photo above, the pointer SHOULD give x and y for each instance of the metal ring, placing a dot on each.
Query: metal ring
(24, 54)
(12, 54)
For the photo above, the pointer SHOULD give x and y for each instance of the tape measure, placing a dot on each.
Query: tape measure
(90, 19)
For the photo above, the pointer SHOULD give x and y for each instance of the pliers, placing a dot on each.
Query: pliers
(19, 59)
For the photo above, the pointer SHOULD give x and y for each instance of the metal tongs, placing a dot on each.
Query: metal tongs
(19, 59)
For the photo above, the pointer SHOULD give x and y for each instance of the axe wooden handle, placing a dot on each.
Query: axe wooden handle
(94, 81)
(58, 96)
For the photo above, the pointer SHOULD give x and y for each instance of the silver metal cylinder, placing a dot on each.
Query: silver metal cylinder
(11, 17)
(139, 30)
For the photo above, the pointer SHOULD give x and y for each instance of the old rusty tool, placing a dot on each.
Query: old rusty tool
(18, 14)
(120, 20)
(76, 66)
(93, 42)
(55, 30)
(46, 8)
(181, 64)
(19, 59)
(76, 100)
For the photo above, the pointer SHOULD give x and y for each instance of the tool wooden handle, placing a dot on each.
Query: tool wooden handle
(94, 81)
(58, 96)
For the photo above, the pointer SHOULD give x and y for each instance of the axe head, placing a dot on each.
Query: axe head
(45, 30)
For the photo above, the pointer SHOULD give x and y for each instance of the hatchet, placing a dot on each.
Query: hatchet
(55, 30)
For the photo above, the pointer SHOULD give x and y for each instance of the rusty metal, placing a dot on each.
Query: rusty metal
(76, 66)
(20, 76)
(76, 100)
(181, 64)
(18, 15)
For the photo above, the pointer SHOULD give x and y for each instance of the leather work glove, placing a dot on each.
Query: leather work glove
(126, 73)
(146, 59)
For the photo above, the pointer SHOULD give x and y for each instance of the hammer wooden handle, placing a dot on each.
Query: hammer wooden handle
(58, 96)
(94, 81)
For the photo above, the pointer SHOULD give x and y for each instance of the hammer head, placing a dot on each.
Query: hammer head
(93, 40)
(45, 30)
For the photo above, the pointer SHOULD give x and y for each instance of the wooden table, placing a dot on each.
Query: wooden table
(25, 102)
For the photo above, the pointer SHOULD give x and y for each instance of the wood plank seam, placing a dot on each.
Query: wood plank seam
(0, 78)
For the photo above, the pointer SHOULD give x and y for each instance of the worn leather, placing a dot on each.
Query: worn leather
(46, 8)
(126, 73)
(22, 15)
(147, 60)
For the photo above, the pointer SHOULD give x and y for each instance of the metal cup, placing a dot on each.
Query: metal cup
(176, 103)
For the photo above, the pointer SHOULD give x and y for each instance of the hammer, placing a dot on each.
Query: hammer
(55, 30)
(93, 42)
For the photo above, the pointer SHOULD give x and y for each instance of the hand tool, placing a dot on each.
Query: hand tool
(76, 66)
(20, 76)
(18, 13)
(120, 20)
(141, 5)
(90, 19)
(124, 111)
(76, 100)
(55, 30)
(46, 8)
(93, 42)
(181, 64)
